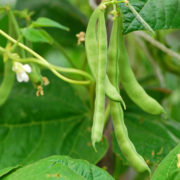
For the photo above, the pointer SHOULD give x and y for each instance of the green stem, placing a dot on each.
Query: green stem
(16, 44)
(69, 80)
(157, 44)
(60, 69)
(23, 46)
(17, 30)
(53, 68)
(13, 19)
(141, 20)
(155, 66)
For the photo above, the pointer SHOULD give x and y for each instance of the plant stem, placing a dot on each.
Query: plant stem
(17, 30)
(60, 69)
(157, 44)
(23, 46)
(141, 20)
(52, 69)
(44, 61)
(152, 61)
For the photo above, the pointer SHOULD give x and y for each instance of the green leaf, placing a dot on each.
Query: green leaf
(60, 11)
(167, 169)
(46, 22)
(174, 127)
(59, 167)
(159, 14)
(7, 170)
(4, 27)
(37, 35)
(59, 123)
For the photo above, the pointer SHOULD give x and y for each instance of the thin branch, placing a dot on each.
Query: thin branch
(157, 44)
(43, 60)
(152, 61)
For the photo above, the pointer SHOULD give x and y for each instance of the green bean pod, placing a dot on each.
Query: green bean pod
(134, 90)
(91, 44)
(7, 83)
(113, 54)
(98, 119)
(35, 75)
(125, 144)
(9, 75)
(112, 93)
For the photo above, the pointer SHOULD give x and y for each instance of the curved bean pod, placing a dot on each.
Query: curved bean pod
(9, 75)
(112, 93)
(125, 144)
(132, 87)
(7, 83)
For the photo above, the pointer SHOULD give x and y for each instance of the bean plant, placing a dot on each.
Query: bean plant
(89, 90)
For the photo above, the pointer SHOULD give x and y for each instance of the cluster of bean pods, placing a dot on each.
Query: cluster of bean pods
(110, 66)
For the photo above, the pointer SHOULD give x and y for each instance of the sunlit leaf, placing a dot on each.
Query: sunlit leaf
(59, 167)
(37, 35)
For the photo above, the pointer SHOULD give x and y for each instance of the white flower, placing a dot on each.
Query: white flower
(21, 71)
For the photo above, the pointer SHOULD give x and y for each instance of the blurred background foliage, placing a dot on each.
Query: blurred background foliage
(154, 136)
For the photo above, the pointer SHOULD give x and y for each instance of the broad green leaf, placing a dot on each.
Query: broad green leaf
(46, 22)
(59, 123)
(59, 167)
(167, 169)
(159, 14)
(7, 170)
(37, 35)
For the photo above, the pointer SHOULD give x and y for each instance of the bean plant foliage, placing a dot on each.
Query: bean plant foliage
(158, 14)
(49, 90)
